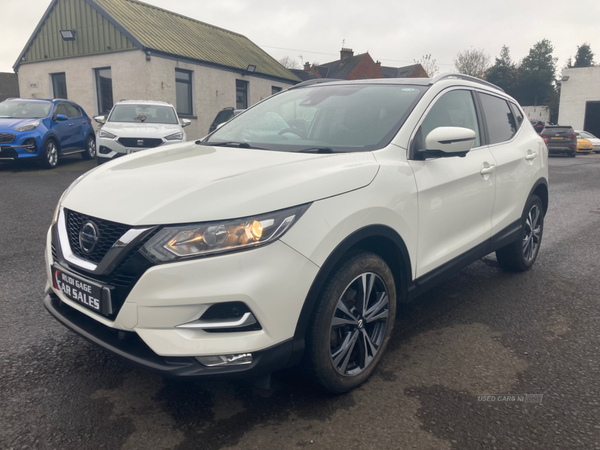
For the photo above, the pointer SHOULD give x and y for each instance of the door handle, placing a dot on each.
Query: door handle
(486, 170)
(530, 156)
(70, 124)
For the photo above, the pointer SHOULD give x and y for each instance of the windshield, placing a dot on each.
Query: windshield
(587, 135)
(332, 118)
(24, 109)
(143, 114)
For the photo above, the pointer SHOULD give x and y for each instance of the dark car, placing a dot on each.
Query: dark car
(538, 125)
(560, 139)
(44, 130)
(223, 116)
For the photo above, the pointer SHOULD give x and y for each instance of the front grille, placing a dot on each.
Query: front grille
(108, 234)
(145, 142)
(6, 138)
(123, 278)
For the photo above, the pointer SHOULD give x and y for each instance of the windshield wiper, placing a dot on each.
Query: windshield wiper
(316, 150)
(226, 144)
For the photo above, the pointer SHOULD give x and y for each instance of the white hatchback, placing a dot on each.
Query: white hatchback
(290, 234)
(134, 125)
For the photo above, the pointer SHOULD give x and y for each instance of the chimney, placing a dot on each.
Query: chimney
(306, 65)
(378, 63)
(346, 53)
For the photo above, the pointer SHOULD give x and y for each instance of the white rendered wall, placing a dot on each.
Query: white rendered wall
(583, 85)
(135, 78)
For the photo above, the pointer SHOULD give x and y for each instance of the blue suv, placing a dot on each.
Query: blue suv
(44, 129)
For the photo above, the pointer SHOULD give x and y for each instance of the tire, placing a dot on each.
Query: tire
(521, 254)
(345, 344)
(572, 155)
(90, 148)
(50, 154)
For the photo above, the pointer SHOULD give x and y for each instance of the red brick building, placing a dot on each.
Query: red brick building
(356, 67)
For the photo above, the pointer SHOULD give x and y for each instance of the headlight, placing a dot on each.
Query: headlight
(28, 127)
(106, 134)
(175, 136)
(181, 242)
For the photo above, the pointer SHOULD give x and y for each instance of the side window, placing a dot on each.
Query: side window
(72, 111)
(499, 118)
(453, 109)
(61, 109)
(517, 115)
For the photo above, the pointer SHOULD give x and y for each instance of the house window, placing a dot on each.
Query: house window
(104, 90)
(183, 92)
(275, 89)
(59, 85)
(241, 94)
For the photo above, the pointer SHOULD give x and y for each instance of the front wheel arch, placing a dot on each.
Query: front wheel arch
(379, 239)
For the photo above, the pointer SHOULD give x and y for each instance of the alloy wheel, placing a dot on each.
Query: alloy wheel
(359, 324)
(533, 233)
(51, 153)
(91, 147)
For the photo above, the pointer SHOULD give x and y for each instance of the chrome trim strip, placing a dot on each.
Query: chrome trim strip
(246, 320)
(129, 236)
(63, 241)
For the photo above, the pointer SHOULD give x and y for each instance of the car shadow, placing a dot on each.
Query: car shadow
(33, 165)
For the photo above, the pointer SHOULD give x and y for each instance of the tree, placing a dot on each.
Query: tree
(584, 56)
(428, 64)
(536, 75)
(474, 62)
(504, 72)
(289, 63)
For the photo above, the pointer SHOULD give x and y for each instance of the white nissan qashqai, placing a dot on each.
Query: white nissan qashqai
(291, 233)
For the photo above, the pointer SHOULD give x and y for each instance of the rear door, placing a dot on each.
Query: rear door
(76, 122)
(517, 151)
(455, 194)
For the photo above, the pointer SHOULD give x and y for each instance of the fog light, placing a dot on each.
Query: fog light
(29, 145)
(226, 360)
(104, 150)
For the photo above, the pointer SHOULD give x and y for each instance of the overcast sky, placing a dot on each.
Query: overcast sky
(393, 32)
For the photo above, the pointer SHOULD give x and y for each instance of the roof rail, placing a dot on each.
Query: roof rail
(462, 76)
(314, 81)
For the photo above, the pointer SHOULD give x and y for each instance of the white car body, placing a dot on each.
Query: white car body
(590, 137)
(440, 209)
(133, 137)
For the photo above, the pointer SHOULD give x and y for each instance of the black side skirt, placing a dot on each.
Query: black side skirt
(501, 239)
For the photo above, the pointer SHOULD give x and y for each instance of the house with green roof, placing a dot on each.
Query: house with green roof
(97, 52)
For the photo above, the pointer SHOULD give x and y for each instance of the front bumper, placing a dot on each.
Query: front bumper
(273, 281)
(25, 145)
(111, 148)
(133, 349)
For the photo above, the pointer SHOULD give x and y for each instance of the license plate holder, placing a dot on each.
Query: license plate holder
(92, 295)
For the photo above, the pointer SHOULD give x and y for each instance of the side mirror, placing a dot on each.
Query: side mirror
(185, 122)
(449, 141)
(61, 117)
(100, 119)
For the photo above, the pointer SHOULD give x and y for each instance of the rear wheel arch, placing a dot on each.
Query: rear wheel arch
(540, 188)
(379, 239)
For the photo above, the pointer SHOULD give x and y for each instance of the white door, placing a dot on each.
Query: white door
(455, 194)
(518, 157)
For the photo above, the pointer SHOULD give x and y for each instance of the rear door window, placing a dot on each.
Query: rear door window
(499, 118)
